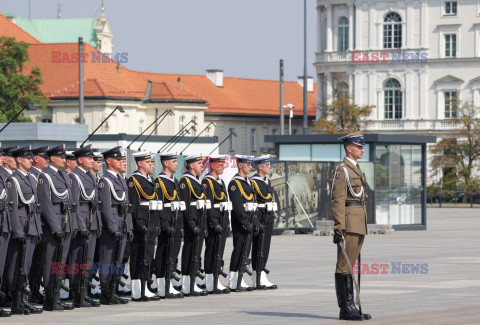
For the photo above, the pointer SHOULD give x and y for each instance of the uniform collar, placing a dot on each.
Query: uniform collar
(140, 174)
(8, 170)
(112, 172)
(237, 176)
(165, 176)
(258, 177)
(354, 163)
(53, 168)
(19, 171)
(38, 169)
(190, 175)
(83, 170)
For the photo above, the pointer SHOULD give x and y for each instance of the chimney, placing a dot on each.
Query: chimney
(309, 83)
(215, 76)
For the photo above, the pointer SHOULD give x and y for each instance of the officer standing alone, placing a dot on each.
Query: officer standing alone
(349, 213)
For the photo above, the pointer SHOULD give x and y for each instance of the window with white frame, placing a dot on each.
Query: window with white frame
(253, 139)
(207, 132)
(230, 140)
(392, 31)
(450, 45)
(181, 122)
(451, 8)
(342, 36)
(194, 129)
(342, 90)
(450, 103)
(393, 99)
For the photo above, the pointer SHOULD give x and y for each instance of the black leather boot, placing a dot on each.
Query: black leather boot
(17, 304)
(347, 311)
(351, 297)
(29, 306)
(36, 297)
(50, 303)
(79, 297)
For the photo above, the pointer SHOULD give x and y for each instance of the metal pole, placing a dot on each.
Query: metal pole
(13, 118)
(305, 98)
(198, 135)
(290, 115)
(81, 119)
(138, 136)
(155, 128)
(231, 133)
(282, 110)
(81, 146)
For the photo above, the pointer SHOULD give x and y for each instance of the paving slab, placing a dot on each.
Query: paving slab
(443, 289)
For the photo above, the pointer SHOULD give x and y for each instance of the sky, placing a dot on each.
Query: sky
(244, 38)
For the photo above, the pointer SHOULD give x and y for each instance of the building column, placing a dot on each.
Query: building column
(372, 26)
(351, 25)
(408, 95)
(319, 29)
(358, 28)
(350, 84)
(357, 91)
(423, 108)
(440, 105)
(372, 78)
(423, 24)
(409, 17)
(329, 28)
(329, 88)
(319, 98)
(380, 115)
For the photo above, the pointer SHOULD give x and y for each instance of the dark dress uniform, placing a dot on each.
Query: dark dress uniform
(172, 226)
(264, 194)
(26, 230)
(191, 191)
(350, 217)
(4, 227)
(117, 222)
(218, 226)
(85, 194)
(240, 192)
(58, 225)
(146, 228)
(35, 276)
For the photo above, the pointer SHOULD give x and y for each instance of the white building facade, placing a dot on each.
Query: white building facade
(407, 58)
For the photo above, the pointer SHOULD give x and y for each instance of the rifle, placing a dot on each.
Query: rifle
(244, 260)
(259, 258)
(195, 267)
(145, 269)
(171, 261)
(21, 275)
(60, 276)
(3, 208)
(217, 260)
(115, 274)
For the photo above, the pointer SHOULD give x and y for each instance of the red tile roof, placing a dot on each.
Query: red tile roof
(237, 96)
(9, 29)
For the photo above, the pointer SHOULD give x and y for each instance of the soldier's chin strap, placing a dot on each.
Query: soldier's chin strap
(357, 288)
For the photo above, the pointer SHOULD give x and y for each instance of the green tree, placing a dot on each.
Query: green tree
(17, 87)
(456, 155)
(342, 116)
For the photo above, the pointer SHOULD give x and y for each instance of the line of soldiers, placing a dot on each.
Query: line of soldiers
(64, 228)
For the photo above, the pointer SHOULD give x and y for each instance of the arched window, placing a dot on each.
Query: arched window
(393, 101)
(342, 37)
(392, 31)
(342, 90)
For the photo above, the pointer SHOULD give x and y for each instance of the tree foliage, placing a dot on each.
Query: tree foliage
(17, 87)
(342, 116)
(455, 156)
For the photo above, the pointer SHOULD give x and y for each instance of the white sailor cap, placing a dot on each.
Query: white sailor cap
(142, 155)
(168, 156)
(97, 156)
(257, 161)
(219, 158)
(193, 158)
(244, 158)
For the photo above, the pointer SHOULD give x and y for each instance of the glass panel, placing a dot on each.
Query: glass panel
(294, 152)
(398, 184)
(310, 181)
(366, 153)
(326, 152)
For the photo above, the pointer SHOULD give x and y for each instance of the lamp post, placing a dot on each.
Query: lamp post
(155, 128)
(119, 108)
(290, 116)
(30, 106)
(192, 128)
(155, 121)
(228, 136)
(176, 136)
(188, 145)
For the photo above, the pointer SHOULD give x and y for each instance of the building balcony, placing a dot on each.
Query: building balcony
(399, 56)
(410, 125)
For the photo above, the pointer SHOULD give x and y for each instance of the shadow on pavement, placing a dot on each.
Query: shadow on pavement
(277, 314)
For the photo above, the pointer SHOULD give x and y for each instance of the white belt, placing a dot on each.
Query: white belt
(224, 206)
(153, 205)
(250, 206)
(175, 205)
(200, 204)
(271, 206)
